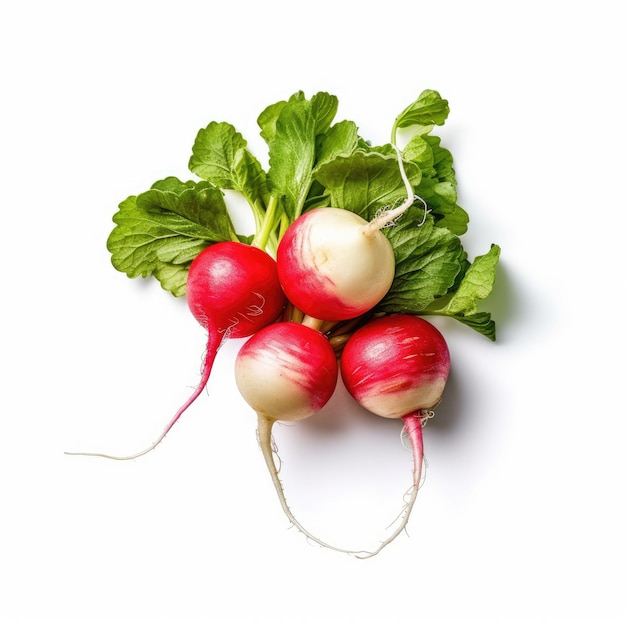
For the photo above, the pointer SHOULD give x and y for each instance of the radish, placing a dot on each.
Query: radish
(233, 291)
(397, 366)
(334, 265)
(285, 372)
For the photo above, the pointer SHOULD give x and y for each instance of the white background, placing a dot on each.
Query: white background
(521, 518)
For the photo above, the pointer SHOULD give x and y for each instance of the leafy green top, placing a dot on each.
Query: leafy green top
(314, 161)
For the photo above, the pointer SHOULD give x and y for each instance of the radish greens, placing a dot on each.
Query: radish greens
(315, 161)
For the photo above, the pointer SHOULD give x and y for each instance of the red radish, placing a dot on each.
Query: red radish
(397, 366)
(233, 291)
(285, 372)
(334, 265)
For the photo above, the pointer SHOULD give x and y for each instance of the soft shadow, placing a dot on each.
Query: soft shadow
(151, 285)
(449, 412)
(336, 415)
(341, 413)
(504, 303)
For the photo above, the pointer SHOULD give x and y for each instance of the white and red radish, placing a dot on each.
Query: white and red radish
(232, 290)
(397, 366)
(285, 372)
(334, 265)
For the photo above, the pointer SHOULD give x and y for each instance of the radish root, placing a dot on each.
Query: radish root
(264, 435)
(386, 217)
(413, 424)
(214, 342)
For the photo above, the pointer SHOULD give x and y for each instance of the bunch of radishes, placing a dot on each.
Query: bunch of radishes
(308, 304)
(334, 266)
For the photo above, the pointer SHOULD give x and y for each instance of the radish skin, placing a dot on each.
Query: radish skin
(287, 371)
(397, 366)
(232, 290)
(332, 266)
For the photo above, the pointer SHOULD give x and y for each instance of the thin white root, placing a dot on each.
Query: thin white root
(413, 426)
(130, 457)
(274, 448)
(387, 216)
(214, 342)
(264, 436)
(201, 386)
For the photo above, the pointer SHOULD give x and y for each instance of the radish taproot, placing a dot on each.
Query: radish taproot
(286, 372)
(397, 366)
(232, 291)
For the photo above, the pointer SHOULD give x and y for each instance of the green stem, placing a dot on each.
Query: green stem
(283, 226)
(258, 210)
(263, 233)
(394, 132)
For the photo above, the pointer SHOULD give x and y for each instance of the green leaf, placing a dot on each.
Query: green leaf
(295, 130)
(220, 155)
(442, 160)
(292, 156)
(480, 322)
(438, 185)
(428, 260)
(249, 177)
(427, 110)
(201, 203)
(160, 232)
(365, 181)
(323, 109)
(419, 151)
(441, 200)
(267, 120)
(475, 285)
(340, 140)
(268, 117)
